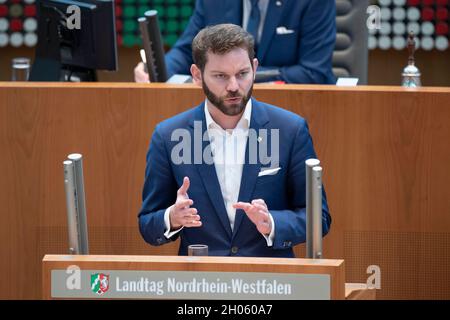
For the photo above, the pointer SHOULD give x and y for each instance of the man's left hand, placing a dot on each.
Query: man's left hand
(258, 213)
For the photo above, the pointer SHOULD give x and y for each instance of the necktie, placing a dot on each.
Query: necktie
(253, 21)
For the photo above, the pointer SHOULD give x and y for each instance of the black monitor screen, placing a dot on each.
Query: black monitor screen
(80, 46)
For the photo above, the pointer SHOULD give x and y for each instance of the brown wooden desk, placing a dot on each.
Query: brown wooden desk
(385, 152)
(221, 265)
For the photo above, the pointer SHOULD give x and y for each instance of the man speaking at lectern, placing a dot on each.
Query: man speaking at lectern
(209, 177)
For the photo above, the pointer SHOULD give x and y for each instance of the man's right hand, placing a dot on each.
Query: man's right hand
(181, 215)
(140, 75)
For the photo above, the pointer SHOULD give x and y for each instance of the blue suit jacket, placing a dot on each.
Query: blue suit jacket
(304, 56)
(284, 192)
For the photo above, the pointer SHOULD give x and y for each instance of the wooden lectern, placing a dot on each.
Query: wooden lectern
(237, 277)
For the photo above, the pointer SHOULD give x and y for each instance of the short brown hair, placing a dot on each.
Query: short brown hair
(221, 39)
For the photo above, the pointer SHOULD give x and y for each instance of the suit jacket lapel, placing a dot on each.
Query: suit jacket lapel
(208, 174)
(233, 12)
(250, 171)
(270, 24)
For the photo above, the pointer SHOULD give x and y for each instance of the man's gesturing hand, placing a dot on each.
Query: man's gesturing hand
(258, 213)
(181, 215)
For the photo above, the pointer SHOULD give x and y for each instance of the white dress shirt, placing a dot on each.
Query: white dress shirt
(228, 149)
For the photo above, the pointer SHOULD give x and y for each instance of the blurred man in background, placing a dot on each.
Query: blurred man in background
(294, 39)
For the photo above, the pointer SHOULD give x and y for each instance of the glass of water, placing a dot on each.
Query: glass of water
(198, 250)
(20, 69)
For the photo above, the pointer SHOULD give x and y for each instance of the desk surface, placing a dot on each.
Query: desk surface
(284, 87)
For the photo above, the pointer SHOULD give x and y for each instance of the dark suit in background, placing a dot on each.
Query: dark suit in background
(301, 49)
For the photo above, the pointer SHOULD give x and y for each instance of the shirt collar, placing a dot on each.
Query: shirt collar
(244, 122)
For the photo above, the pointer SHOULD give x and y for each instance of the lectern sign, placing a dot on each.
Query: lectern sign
(191, 285)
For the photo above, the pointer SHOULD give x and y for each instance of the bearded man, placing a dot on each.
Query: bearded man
(220, 189)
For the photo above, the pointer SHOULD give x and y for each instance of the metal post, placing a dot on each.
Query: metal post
(72, 219)
(313, 207)
(80, 202)
(317, 211)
